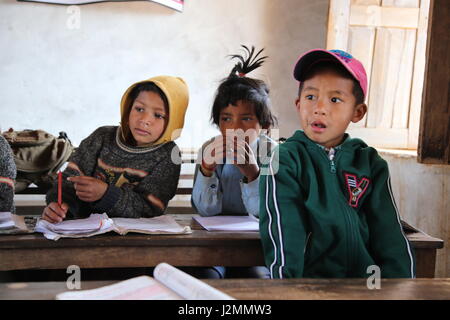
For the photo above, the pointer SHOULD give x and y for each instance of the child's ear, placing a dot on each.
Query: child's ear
(297, 103)
(360, 112)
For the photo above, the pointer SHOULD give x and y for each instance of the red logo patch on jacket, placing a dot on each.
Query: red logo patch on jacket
(356, 188)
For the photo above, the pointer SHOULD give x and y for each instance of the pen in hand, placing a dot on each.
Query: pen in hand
(59, 188)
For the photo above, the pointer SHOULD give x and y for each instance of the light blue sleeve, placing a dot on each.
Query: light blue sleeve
(206, 196)
(250, 196)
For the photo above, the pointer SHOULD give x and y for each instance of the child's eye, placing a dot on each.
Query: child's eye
(138, 109)
(335, 100)
(247, 119)
(225, 119)
(309, 97)
(159, 116)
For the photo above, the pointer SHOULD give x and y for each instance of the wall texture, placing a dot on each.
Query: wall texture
(56, 77)
(422, 196)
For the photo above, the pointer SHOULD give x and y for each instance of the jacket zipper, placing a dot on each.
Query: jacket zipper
(331, 155)
(332, 158)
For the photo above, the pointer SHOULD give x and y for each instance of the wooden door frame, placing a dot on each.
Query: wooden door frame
(434, 133)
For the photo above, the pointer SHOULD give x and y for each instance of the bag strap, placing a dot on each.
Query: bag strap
(27, 137)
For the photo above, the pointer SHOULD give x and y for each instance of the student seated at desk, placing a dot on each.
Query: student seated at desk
(7, 177)
(329, 210)
(127, 170)
(241, 110)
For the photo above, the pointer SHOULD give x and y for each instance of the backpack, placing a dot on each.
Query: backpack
(38, 156)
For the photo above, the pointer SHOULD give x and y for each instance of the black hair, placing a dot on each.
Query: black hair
(148, 86)
(340, 70)
(237, 86)
(134, 93)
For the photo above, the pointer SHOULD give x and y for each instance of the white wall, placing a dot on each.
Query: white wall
(56, 78)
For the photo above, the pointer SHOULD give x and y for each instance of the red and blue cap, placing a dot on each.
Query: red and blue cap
(310, 58)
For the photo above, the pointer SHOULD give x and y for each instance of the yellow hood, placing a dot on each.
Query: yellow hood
(177, 94)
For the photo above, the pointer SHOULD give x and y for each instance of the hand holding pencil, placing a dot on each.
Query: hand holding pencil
(56, 211)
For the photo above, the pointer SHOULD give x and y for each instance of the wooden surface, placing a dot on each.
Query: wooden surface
(201, 248)
(265, 289)
(434, 134)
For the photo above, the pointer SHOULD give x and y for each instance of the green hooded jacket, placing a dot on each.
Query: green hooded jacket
(331, 215)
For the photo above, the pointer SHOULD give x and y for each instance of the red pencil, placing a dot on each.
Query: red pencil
(59, 188)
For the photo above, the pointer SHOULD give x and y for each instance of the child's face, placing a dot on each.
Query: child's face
(326, 107)
(148, 118)
(241, 116)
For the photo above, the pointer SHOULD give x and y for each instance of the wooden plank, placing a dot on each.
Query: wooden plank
(434, 133)
(418, 76)
(389, 17)
(268, 289)
(139, 256)
(402, 93)
(361, 45)
(401, 3)
(387, 79)
(366, 2)
(425, 263)
(338, 22)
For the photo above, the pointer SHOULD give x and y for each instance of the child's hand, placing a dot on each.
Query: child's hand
(244, 158)
(213, 154)
(87, 188)
(55, 213)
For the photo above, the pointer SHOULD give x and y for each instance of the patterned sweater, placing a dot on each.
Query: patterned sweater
(132, 174)
(7, 176)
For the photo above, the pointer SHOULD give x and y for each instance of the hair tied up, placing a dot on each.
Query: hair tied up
(247, 64)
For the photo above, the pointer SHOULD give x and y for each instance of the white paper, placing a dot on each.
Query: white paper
(169, 283)
(6, 220)
(9, 220)
(186, 285)
(156, 225)
(139, 288)
(228, 223)
(78, 228)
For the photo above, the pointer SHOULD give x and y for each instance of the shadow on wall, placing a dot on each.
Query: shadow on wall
(291, 27)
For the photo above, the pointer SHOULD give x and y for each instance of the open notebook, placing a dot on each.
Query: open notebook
(169, 283)
(101, 223)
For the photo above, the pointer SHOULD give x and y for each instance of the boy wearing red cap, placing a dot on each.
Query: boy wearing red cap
(328, 210)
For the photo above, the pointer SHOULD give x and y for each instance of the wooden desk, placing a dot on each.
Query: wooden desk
(264, 289)
(201, 248)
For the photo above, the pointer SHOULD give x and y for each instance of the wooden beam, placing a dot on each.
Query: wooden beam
(389, 17)
(434, 134)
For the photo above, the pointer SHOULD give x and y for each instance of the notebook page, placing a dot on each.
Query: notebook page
(157, 225)
(78, 228)
(6, 220)
(186, 285)
(139, 288)
(228, 223)
(9, 220)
